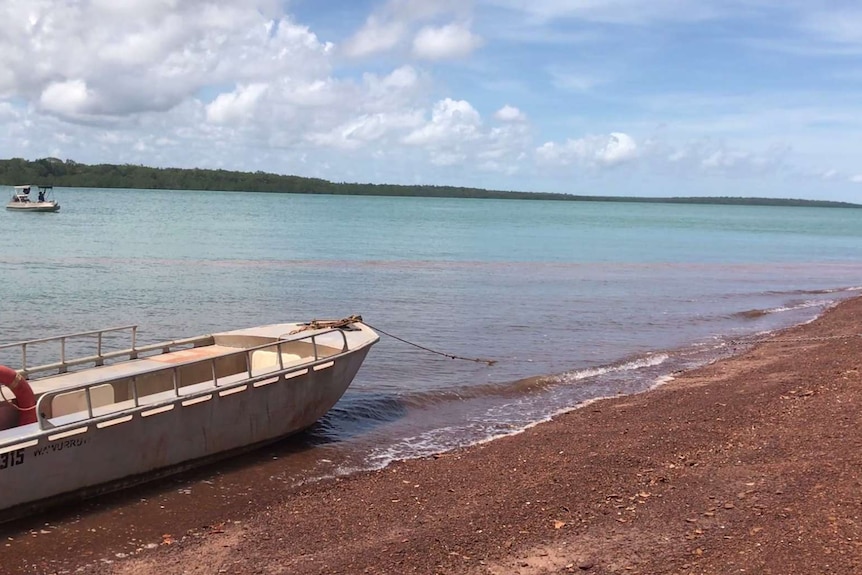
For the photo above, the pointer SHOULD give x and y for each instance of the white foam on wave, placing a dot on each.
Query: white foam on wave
(449, 438)
(497, 422)
(803, 305)
(640, 363)
(846, 289)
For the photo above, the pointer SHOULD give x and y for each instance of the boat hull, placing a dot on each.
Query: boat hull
(151, 441)
(33, 206)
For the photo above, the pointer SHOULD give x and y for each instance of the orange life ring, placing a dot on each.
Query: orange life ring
(23, 394)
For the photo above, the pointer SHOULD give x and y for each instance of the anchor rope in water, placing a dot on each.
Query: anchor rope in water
(346, 322)
(490, 362)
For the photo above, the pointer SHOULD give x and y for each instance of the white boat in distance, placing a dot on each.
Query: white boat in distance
(43, 203)
(113, 419)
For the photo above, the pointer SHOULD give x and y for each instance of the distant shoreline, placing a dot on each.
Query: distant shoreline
(59, 173)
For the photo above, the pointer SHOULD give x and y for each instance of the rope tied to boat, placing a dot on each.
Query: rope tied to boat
(347, 322)
(328, 324)
(490, 362)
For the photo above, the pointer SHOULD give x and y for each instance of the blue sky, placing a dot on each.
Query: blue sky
(613, 97)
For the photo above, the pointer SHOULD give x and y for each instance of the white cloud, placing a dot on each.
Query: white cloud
(618, 149)
(447, 157)
(68, 98)
(242, 85)
(390, 26)
(856, 179)
(451, 121)
(450, 41)
(510, 114)
(366, 129)
(375, 37)
(89, 61)
(594, 151)
(238, 105)
(397, 90)
(455, 135)
(712, 157)
(505, 150)
(312, 93)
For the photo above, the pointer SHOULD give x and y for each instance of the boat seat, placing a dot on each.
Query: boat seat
(74, 406)
(263, 361)
(75, 401)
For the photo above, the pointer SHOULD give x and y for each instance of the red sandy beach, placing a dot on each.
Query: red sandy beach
(749, 465)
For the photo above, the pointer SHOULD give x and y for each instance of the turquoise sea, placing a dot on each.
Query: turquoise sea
(574, 300)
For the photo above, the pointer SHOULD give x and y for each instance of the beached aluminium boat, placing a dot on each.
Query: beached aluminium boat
(114, 418)
(21, 200)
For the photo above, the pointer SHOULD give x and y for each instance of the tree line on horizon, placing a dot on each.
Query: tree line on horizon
(56, 172)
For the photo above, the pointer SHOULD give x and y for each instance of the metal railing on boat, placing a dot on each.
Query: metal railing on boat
(192, 393)
(101, 355)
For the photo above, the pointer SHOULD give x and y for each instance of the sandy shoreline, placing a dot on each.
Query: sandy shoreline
(750, 465)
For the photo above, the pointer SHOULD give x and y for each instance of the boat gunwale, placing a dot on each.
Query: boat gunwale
(37, 435)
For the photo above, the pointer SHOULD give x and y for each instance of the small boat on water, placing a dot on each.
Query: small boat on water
(118, 417)
(22, 201)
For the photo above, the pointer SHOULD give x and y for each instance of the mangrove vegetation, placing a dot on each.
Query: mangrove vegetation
(68, 173)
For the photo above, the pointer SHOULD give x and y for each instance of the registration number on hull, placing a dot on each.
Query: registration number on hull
(11, 458)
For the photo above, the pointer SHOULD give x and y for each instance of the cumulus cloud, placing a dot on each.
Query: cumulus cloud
(66, 98)
(455, 134)
(450, 41)
(376, 111)
(452, 121)
(193, 83)
(594, 151)
(505, 150)
(100, 59)
(396, 90)
(241, 84)
(510, 114)
(376, 36)
(366, 129)
(236, 105)
(391, 26)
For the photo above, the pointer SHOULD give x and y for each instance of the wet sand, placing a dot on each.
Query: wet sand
(749, 465)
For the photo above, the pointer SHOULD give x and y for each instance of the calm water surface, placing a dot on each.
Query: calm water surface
(574, 300)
